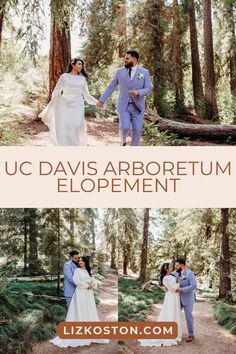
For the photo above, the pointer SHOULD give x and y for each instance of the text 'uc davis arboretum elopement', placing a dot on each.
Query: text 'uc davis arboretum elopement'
(116, 177)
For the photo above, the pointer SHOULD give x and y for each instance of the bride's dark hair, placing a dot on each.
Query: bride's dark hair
(87, 266)
(164, 268)
(73, 62)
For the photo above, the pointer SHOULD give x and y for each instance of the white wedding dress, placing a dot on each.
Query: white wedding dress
(64, 115)
(170, 312)
(82, 309)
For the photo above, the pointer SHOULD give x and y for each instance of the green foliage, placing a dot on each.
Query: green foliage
(133, 304)
(153, 137)
(25, 320)
(34, 287)
(226, 316)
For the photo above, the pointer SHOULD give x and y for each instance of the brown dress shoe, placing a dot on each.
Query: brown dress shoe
(190, 339)
(124, 144)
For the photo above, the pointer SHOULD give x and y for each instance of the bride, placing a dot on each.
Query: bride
(64, 115)
(171, 309)
(82, 307)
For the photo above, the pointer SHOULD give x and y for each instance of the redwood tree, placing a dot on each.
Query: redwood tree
(225, 281)
(143, 267)
(177, 53)
(211, 109)
(60, 42)
(195, 61)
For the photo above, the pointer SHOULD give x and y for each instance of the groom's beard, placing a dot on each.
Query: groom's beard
(77, 264)
(129, 65)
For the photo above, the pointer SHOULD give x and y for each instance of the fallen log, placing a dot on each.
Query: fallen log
(204, 131)
(40, 296)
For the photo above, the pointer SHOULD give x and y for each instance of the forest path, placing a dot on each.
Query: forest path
(101, 132)
(209, 336)
(107, 311)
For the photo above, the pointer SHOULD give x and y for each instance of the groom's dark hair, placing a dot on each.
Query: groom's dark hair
(180, 261)
(73, 253)
(133, 53)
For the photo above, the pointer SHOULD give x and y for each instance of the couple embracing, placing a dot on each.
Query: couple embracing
(179, 289)
(78, 291)
(65, 117)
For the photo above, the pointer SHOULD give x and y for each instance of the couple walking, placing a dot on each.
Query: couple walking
(64, 115)
(179, 289)
(78, 291)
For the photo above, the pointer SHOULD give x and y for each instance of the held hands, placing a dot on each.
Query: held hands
(91, 285)
(178, 290)
(134, 93)
(100, 105)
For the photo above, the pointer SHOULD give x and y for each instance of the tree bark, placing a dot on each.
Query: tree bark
(225, 280)
(211, 109)
(58, 251)
(25, 239)
(72, 227)
(203, 131)
(232, 59)
(2, 12)
(195, 61)
(143, 267)
(113, 254)
(177, 53)
(60, 51)
(33, 243)
(154, 14)
(122, 27)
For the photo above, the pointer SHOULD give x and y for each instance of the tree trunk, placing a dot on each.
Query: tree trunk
(203, 131)
(155, 14)
(225, 281)
(25, 239)
(177, 53)
(33, 243)
(211, 109)
(143, 267)
(58, 252)
(113, 254)
(60, 51)
(232, 61)
(2, 11)
(125, 253)
(122, 27)
(72, 227)
(195, 60)
(93, 232)
(125, 264)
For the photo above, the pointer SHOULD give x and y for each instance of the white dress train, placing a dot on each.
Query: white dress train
(64, 114)
(170, 312)
(82, 309)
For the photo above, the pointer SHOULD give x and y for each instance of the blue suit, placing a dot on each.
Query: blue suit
(187, 296)
(130, 109)
(69, 285)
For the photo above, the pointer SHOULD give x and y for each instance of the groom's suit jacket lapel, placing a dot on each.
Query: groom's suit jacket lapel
(135, 79)
(128, 79)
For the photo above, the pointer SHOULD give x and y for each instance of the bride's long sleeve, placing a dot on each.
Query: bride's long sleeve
(78, 281)
(170, 283)
(88, 98)
(59, 87)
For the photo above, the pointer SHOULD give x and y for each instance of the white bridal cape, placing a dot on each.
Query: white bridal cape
(82, 309)
(64, 115)
(170, 312)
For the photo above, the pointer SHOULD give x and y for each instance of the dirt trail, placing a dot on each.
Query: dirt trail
(107, 310)
(209, 336)
(101, 132)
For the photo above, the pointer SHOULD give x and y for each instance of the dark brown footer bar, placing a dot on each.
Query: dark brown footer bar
(118, 330)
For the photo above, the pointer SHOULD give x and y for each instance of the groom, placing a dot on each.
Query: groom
(69, 269)
(135, 83)
(188, 284)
